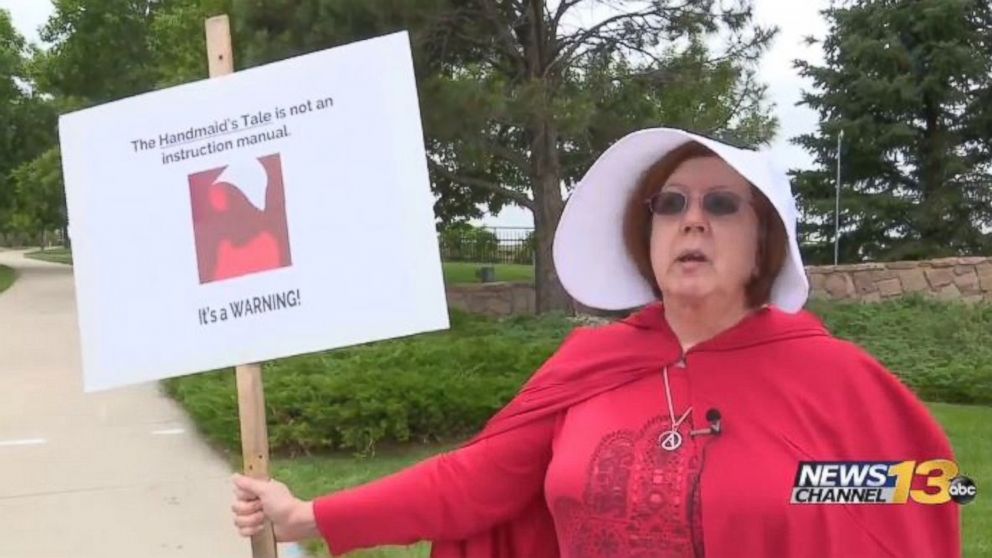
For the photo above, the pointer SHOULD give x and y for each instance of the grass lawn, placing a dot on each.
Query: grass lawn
(464, 272)
(310, 477)
(967, 426)
(54, 255)
(6, 277)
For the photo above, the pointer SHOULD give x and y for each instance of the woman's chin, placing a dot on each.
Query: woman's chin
(693, 291)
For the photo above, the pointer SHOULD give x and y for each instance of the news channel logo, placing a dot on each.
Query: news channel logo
(881, 482)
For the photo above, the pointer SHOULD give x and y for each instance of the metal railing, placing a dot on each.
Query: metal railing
(488, 245)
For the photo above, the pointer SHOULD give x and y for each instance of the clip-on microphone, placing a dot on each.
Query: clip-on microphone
(713, 416)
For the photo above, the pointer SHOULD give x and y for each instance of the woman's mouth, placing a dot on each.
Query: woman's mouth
(691, 259)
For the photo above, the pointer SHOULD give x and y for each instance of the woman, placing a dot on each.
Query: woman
(677, 431)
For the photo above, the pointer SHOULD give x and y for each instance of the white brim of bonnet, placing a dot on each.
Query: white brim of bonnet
(589, 252)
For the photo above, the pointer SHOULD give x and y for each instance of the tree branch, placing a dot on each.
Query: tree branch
(563, 8)
(743, 47)
(568, 46)
(518, 197)
(515, 158)
(745, 93)
(509, 42)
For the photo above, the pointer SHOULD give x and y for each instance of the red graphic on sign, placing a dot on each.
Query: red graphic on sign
(233, 237)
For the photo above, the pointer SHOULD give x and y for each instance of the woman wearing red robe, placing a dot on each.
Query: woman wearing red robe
(677, 431)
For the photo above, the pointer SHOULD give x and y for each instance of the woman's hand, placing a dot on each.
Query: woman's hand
(257, 500)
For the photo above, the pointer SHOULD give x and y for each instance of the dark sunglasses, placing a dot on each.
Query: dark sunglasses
(717, 204)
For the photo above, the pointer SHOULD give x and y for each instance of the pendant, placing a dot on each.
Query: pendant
(671, 440)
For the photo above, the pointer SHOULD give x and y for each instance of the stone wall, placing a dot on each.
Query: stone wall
(965, 279)
(493, 299)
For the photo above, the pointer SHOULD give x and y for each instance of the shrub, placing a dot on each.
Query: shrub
(430, 387)
(443, 386)
(464, 242)
(941, 350)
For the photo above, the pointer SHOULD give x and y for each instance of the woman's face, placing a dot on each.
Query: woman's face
(726, 241)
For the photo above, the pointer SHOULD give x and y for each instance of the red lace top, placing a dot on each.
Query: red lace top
(611, 488)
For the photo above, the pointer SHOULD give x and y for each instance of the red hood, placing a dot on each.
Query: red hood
(767, 325)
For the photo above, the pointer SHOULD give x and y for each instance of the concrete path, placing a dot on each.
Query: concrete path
(114, 474)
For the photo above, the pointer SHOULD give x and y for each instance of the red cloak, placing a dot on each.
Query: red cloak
(788, 392)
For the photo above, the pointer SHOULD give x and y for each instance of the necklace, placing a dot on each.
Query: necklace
(672, 440)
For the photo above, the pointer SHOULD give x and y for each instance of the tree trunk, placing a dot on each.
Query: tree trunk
(548, 205)
(932, 229)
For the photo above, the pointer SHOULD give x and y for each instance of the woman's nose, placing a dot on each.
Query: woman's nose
(694, 218)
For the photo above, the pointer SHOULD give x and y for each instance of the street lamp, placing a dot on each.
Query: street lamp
(840, 138)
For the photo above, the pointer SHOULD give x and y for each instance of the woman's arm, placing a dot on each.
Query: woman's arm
(449, 496)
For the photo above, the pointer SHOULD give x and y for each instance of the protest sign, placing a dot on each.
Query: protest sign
(278, 210)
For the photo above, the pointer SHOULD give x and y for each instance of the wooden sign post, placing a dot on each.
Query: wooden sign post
(251, 396)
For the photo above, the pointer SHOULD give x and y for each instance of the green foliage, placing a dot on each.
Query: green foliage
(464, 242)
(98, 49)
(910, 84)
(525, 255)
(176, 39)
(943, 351)
(445, 385)
(40, 192)
(6, 278)
(429, 387)
(26, 118)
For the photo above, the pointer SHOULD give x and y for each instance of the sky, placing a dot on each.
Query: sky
(795, 19)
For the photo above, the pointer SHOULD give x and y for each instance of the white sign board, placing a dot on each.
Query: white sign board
(276, 211)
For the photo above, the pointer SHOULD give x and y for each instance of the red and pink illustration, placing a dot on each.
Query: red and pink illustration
(234, 236)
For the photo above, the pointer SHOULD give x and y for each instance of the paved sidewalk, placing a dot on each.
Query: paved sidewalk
(114, 474)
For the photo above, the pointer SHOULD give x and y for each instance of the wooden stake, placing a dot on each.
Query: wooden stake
(255, 445)
(251, 396)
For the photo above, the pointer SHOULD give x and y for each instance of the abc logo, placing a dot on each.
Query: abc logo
(962, 490)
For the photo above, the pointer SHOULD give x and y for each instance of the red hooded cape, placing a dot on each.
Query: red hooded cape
(788, 392)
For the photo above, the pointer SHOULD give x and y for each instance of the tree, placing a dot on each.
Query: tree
(27, 119)
(98, 50)
(177, 48)
(519, 96)
(12, 54)
(40, 192)
(909, 84)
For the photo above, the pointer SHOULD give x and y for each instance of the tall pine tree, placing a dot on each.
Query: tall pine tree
(908, 82)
